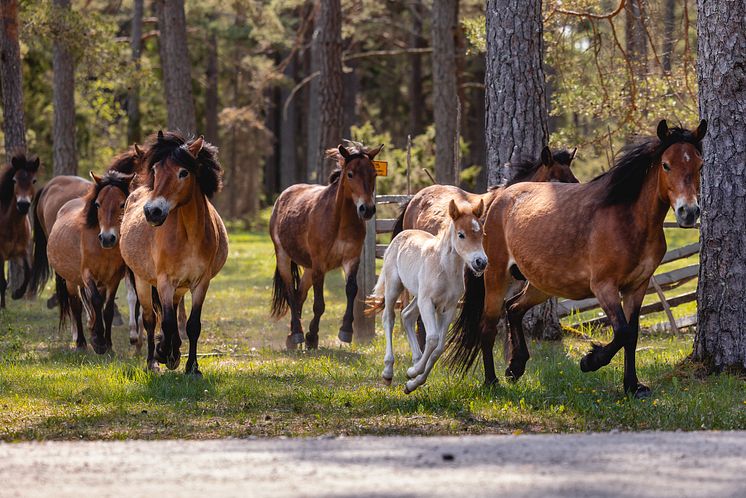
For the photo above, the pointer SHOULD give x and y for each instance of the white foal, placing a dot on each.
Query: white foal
(431, 268)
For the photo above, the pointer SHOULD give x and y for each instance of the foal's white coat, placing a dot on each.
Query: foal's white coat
(431, 269)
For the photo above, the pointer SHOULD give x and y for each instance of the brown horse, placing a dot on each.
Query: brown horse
(83, 251)
(16, 192)
(428, 209)
(322, 228)
(174, 241)
(603, 238)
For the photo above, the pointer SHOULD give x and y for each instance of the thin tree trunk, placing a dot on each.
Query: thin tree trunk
(416, 99)
(212, 101)
(272, 123)
(134, 130)
(11, 81)
(669, 26)
(330, 83)
(720, 339)
(288, 130)
(516, 111)
(636, 40)
(351, 88)
(313, 117)
(64, 154)
(176, 66)
(445, 87)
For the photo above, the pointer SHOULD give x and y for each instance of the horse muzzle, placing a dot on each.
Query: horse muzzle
(108, 240)
(23, 206)
(687, 215)
(366, 211)
(155, 214)
(478, 265)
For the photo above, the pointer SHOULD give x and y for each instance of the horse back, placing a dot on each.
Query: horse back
(55, 194)
(64, 245)
(428, 209)
(299, 210)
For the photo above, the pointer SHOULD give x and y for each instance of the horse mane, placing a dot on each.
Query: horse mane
(173, 145)
(18, 162)
(354, 148)
(111, 178)
(525, 167)
(126, 162)
(625, 179)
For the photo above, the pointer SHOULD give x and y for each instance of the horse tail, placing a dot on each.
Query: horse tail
(376, 301)
(40, 267)
(399, 225)
(64, 299)
(464, 340)
(280, 303)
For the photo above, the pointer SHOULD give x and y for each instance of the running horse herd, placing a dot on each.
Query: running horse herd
(149, 220)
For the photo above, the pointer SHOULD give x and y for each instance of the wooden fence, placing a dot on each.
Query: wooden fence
(659, 284)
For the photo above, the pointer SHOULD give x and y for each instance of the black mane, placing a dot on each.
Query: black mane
(126, 162)
(17, 163)
(626, 177)
(111, 178)
(525, 167)
(172, 145)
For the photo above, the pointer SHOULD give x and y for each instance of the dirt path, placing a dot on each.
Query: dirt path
(611, 464)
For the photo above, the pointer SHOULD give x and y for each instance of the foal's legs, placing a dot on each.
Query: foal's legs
(517, 307)
(312, 337)
(429, 316)
(392, 292)
(350, 269)
(194, 326)
(409, 317)
(438, 337)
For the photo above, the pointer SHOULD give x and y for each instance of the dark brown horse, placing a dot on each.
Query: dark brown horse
(603, 238)
(322, 228)
(16, 192)
(84, 253)
(174, 240)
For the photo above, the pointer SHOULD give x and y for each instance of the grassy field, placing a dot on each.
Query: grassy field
(252, 387)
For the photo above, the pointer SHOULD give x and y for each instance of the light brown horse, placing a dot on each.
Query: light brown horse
(16, 192)
(174, 241)
(321, 228)
(83, 251)
(603, 238)
(428, 208)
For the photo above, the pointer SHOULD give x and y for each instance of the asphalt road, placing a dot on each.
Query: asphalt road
(611, 464)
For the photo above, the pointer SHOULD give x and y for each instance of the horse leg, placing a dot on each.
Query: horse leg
(312, 337)
(285, 269)
(632, 304)
(495, 285)
(132, 304)
(518, 306)
(607, 295)
(182, 317)
(145, 298)
(393, 289)
(76, 308)
(111, 294)
(350, 268)
(96, 301)
(3, 283)
(194, 327)
(428, 314)
(167, 350)
(410, 316)
(443, 320)
(20, 291)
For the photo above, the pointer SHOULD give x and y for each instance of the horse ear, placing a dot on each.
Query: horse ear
(196, 146)
(17, 162)
(343, 151)
(572, 154)
(96, 179)
(699, 133)
(128, 178)
(138, 151)
(453, 211)
(160, 134)
(479, 210)
(546, 156)
(662, 131)
(374, 152)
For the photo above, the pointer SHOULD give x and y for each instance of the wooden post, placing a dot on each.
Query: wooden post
(409, 164)
(666, 307)
(364, 327)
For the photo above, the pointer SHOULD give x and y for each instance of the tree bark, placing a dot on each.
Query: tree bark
(313, 116)
(669, 25)
(212, 101)
(416, 99)
(636, 40)
(330, 83)
(288, 130)
(134, 130)
(516, 111)
(64, 154)
(176, 66)
(445, 87)
(720, 339)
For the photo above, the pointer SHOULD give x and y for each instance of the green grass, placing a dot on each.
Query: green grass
(252, 387)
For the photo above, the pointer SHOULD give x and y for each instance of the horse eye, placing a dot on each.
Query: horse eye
(461, 235)
(183, 173)
(666, 167)
(33, 181)
(349, 174)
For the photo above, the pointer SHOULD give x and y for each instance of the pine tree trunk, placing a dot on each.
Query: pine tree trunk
(636, 39)
(212, 101)
(330, 83)
(176, 66)
(516, 111)
(11, 81)
(313, 98)
(445, 87)
(64, 154)
(669, 25)
(720, 340)
(288, 130)
(134, 130)
(416, 99)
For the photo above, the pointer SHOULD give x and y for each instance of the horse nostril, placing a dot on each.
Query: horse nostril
(361, 208)
(100, 238)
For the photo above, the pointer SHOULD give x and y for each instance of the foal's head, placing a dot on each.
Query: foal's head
(356, 175)
(679, 176)
(105, 205)
(550, 167)
(18, 181)
(467, 235)
(178, 169)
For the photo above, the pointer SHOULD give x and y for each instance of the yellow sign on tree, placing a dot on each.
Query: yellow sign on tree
(382, 168)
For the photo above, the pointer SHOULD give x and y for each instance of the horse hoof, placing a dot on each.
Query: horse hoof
(345, 336)
(385, 381)
(514, 373)
(411, 373)
(100, 348)
(153, 367)
(194, 372)
(52, 302)
(18, 294)
(640, 391)
(117, 321)
(312, 341)
(173, 361)
(490, 383)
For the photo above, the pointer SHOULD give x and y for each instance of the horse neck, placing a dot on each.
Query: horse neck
(449, 258)
(192, 216)
(344, 209)
(649, 207)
